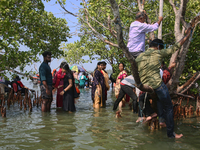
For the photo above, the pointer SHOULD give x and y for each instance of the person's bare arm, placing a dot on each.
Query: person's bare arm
(47, 88)
(68, 87)
(159, 20)
(172, 65)
(169, 51)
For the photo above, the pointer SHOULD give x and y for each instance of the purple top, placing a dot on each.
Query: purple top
(136, 41)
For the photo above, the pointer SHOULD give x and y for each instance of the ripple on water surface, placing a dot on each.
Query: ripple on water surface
(89, 129)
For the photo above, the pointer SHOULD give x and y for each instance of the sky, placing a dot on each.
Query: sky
(73, 6)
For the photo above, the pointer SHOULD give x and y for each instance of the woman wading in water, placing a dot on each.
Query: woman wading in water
(68, 90)
(120, 77)
(98, 88)
(58, 82)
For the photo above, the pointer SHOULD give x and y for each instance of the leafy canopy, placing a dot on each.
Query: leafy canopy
(92, 46)
(24, 22)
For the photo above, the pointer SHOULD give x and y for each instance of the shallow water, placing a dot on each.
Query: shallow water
(89, 129)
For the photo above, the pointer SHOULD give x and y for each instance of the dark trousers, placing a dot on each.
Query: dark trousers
(136, 54)
(164, 98)
(125, 89)
(156, 106)
(147, 111)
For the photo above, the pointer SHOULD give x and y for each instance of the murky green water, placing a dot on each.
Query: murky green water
(87, 129)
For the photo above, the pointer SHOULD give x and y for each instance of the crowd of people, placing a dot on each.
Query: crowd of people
(152, 72)
(15, 84)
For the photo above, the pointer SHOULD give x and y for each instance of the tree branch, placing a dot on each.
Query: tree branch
(167, 34)
(184, 7)
(99, 22)
(188, 82)
(17, 72)
(182, 55)
(124, 48)
(140, 5)
(96, 34)
(185, 24)
(109, 26)
(188, 96)
(173, 6)
(63, 7)
(126, 8)
(192, 83)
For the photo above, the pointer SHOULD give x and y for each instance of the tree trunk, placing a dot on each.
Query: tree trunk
(125, 49)
(160, 14)
(179, 67)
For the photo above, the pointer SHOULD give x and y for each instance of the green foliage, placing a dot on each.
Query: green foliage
(192, 62)
(89, 44)
(73, 53)
(101, 10)
(24, 22)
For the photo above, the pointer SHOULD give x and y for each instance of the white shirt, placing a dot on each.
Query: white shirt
(130, 81)
(137, 30)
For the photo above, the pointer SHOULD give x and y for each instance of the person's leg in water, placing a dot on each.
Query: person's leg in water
(119, 99)
(46, 99)
(49, 104)
(141, 111)
(97, 96)
(161, 114)
(129, 91)
(44, 105)
(164, 97)
(149, 112)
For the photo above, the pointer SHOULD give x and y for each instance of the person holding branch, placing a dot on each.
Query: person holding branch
(137, 31)
(148, 64)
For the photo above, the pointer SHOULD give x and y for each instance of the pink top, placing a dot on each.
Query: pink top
(58, 79)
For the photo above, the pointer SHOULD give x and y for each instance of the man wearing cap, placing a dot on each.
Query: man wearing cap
(149, 63)
(137, 30)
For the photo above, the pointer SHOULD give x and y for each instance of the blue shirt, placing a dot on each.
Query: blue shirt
(45, 73)
(82, 80)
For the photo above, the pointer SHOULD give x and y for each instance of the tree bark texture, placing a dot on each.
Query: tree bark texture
(124, 48)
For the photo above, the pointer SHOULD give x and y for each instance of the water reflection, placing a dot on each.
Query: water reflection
(89, 129)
